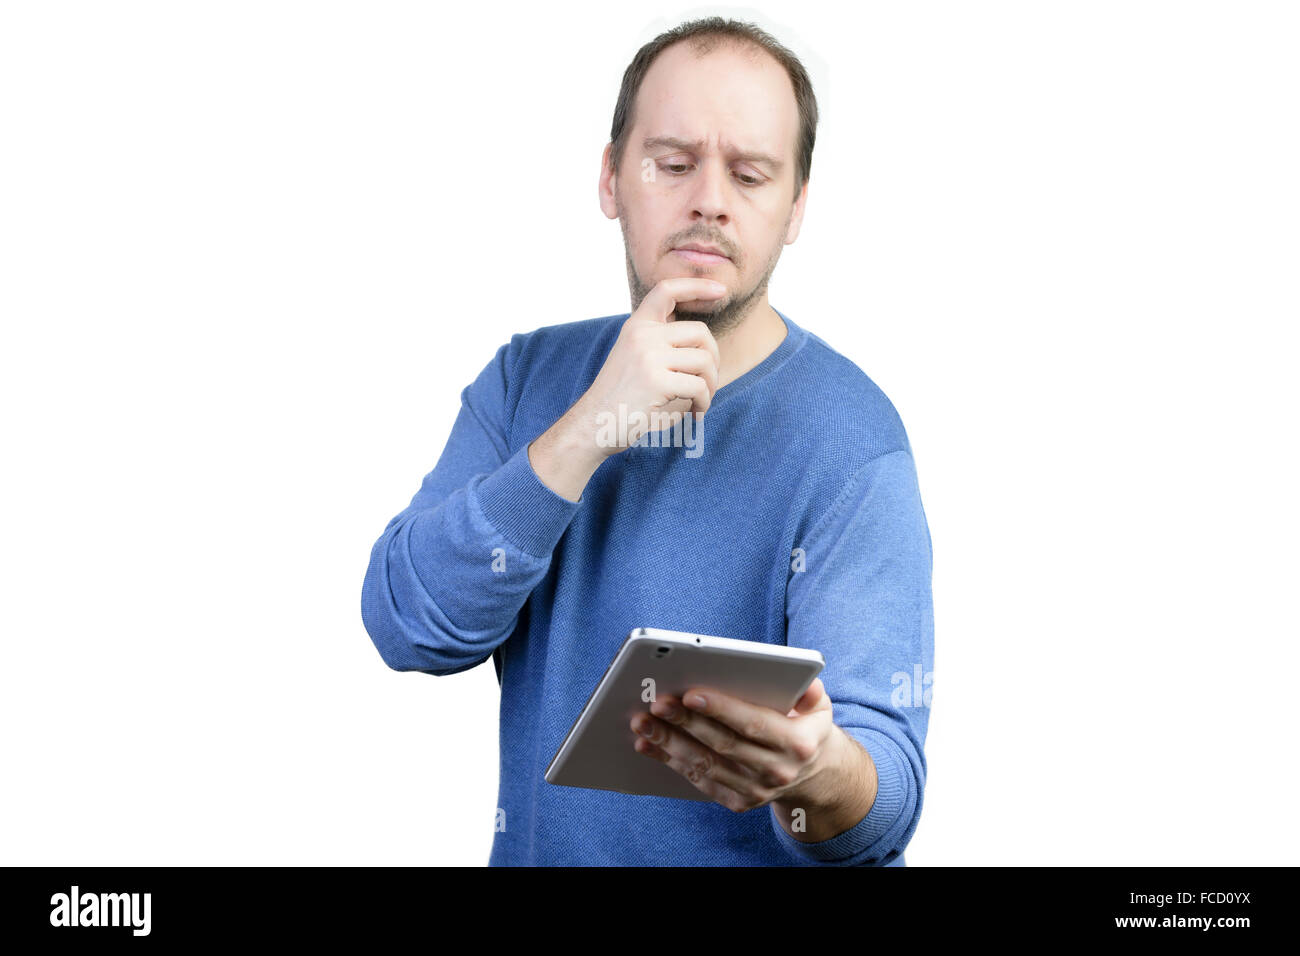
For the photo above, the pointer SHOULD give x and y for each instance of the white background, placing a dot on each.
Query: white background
(250, 253)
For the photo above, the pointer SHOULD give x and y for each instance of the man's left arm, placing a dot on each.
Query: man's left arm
(844, 771)
(864, 600)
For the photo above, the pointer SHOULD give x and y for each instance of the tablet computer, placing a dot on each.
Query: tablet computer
(597, 753)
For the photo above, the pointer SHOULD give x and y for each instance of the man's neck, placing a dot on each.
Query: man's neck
(749, 343)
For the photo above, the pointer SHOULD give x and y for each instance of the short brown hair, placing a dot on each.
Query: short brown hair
(704, 36)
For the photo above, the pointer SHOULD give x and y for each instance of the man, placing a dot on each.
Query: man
(560, 515)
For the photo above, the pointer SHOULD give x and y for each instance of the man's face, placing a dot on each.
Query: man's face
(710, 160)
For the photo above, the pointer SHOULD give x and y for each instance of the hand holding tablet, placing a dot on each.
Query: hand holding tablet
(598, 751)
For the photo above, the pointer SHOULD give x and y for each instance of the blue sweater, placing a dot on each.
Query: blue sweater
(791, 516)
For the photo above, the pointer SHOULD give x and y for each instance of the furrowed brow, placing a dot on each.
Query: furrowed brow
(654, 142)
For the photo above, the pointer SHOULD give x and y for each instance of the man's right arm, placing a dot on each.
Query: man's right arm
(450, 574)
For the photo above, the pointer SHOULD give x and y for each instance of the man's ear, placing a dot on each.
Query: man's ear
(608, 184)
(796, 215)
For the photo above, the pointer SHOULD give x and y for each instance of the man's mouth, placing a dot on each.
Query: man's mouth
(701, 257)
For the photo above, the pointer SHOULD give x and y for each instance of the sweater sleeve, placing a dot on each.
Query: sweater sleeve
(863, 598)
(450, 574)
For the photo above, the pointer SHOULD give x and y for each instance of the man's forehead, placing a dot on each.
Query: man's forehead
(747, 88)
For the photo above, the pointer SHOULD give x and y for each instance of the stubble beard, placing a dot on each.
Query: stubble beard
(734, 309)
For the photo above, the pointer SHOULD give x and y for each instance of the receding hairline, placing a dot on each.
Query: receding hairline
(702, 45)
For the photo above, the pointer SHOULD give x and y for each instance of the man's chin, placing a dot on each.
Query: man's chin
(710, 319)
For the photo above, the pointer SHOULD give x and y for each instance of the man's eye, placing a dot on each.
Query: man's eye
(745, 179)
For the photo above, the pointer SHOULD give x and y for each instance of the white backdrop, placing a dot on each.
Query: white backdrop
(250, 253)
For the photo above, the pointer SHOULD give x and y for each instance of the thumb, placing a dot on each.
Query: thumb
(814, 698)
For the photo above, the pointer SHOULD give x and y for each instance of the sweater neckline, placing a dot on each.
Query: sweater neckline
(794, 337)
